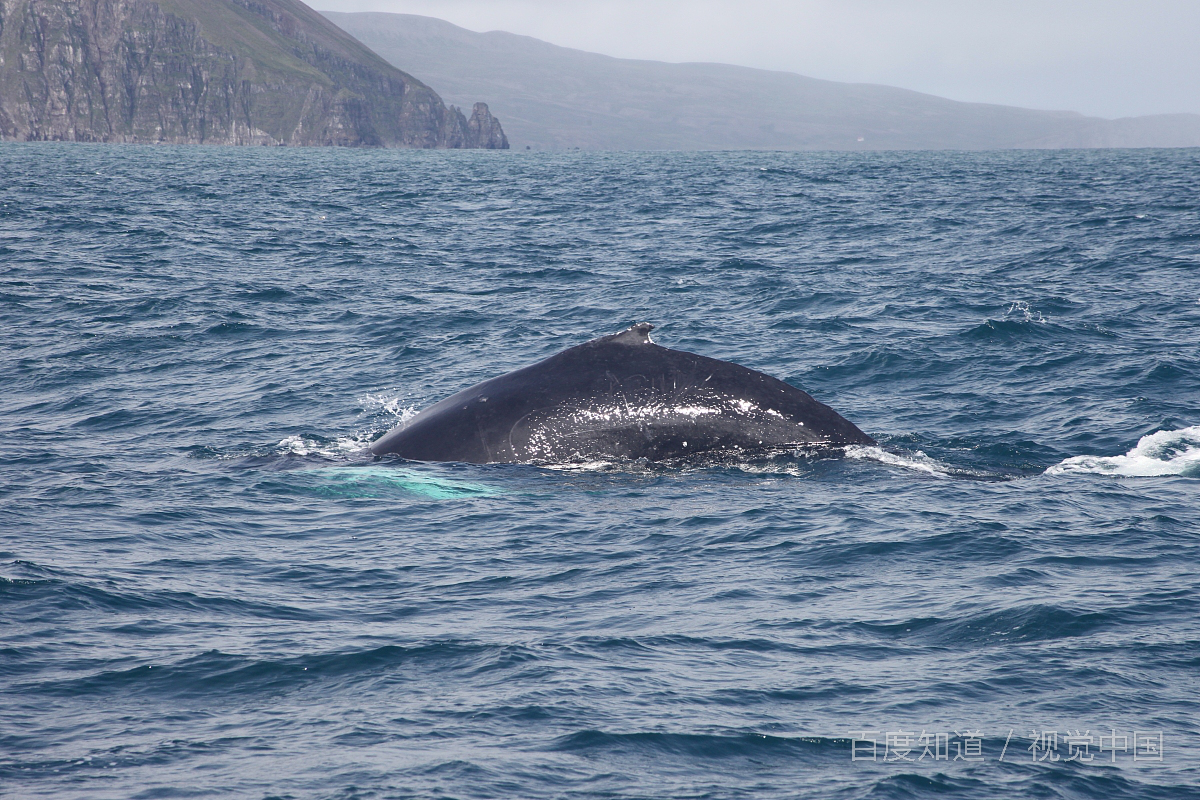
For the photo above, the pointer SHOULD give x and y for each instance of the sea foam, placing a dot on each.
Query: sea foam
(1162, 453)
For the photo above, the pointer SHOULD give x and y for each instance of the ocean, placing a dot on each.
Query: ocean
(208, 589)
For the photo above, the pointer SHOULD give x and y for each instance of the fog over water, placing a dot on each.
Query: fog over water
(1105, 58)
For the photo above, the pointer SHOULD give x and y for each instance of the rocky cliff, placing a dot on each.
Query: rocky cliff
(211, 71)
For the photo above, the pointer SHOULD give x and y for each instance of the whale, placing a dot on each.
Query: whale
(620, 397)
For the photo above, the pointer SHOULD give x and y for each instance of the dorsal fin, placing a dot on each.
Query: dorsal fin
(634, 334)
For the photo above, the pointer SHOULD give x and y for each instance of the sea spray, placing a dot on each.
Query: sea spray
(1156, 454)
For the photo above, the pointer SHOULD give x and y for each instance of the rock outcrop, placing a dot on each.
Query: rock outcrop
(485, 129)
(270, 72)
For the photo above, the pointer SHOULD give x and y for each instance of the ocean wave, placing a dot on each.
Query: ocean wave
(340, 447)
(233, 673)
(1157, 454)
(391, 404)
(743, 744)
(211, 588)
(917, 460)
(345, 446)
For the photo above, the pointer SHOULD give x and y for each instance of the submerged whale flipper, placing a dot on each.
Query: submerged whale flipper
(619, 397)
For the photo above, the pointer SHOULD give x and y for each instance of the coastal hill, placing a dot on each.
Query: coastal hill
(555, 97)
(212, 71)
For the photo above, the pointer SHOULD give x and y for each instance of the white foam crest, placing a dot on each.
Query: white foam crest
(1022, 307)
(915, 461)
(340, 447)
(391, 404)
(1156, 454)
(579, 466)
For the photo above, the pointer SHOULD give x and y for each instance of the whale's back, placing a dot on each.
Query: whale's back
(619, 397)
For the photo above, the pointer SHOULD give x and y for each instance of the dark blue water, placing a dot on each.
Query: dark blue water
(207, 589)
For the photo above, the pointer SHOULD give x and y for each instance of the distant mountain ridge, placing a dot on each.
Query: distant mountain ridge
(212, 71)
(554, 97)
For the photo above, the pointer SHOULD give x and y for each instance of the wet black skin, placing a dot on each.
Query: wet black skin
(619, 397)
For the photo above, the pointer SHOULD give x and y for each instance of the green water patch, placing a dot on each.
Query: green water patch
(379, 481)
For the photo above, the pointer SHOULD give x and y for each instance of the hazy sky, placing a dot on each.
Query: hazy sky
(1105, 57)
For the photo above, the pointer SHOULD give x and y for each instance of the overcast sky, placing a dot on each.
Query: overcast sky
(1109, 58)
